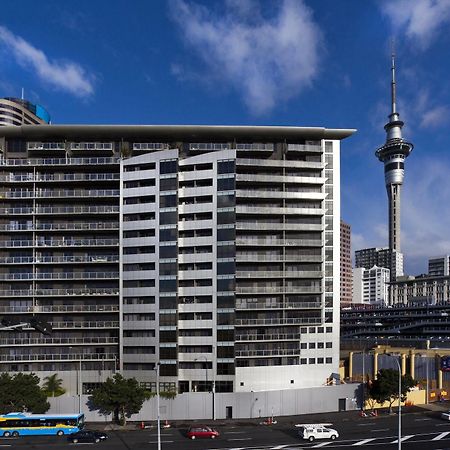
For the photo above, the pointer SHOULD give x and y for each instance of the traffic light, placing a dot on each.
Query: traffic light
(41, 326)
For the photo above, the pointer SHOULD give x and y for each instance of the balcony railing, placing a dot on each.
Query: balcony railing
(280, 321)
(60, 276)
(87, 324)
(60, 226)
(58, 308)
(58, 259)
(274, 352)
(257, 257)
(283, 242)
(59, 357)
(61, 243)
(277, 274)
(30, 177)
(57, 292)
(40, 193)
(268, 337)
(77, 209)
(59, 341)
(297, 305)
(278, 210)
(278, 289)
(58, 161)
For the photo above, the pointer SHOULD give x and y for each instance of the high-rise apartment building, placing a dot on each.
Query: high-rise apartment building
(346, 264)
(370, 286)
(381, 257)
(16, 111)
(210, 250)
(438, 266)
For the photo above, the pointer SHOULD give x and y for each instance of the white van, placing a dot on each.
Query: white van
(312, 432)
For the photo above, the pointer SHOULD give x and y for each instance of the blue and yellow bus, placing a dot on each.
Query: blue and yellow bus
(24, 424)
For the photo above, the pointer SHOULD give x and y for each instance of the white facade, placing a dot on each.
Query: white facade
(370, 286)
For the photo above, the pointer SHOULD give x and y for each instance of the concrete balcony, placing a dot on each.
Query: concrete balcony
(59, 259)
(58, 292)
(265, 353)
(58, 341)
(59, 357)
(279, 321)
(256, 257)
(283, 306)
(261, 225)
(268, 337)
(59, 309)
(80, 325)
(250, 241)
(278, 210)
(277, 274)
(242, 193)
(69, 210)
(60, 276)
(278, 289)
(58, 162)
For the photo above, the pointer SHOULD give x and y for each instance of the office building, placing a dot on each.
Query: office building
(381, 257)
(370, 286)
(16, 111)
(210, 250)
(346, 264)
(393, 154)
(438, 266)
(432, 289)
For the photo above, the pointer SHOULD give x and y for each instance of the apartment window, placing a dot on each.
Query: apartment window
(168, 251)
(319, 360)
(226, 234)
(168, 184)
(225, 166)
(225, 285)
(166, 218)
(168, 234)
(168, 201)
(303, 360)
(312, 361)
(329, 345)
(168, 166)
(226, 201)
(328, 360)
(226, 268)
(225, 184)
(303, 345)
(167, 285)
(226, 217)
(312, 345)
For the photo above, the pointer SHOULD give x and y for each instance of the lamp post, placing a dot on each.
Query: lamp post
(80, 386)
(399, 401)
(213, 383)
(157, 405)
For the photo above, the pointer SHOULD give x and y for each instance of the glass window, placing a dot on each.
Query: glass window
(225, 201)
(169, 234)
(168, 184)
(225, 285)
(166, 218)
(226, 251)
(168, 201)
(168, 269)
(226, 234)
(225, 184)
(168, 251)
(168, 166)
(225, 167)
(226, 268)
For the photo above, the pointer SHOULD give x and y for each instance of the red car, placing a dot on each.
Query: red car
(202, 431)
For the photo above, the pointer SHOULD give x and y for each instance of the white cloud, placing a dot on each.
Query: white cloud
(435, 117)
(267, 60)
(421, 20)
(67, 76)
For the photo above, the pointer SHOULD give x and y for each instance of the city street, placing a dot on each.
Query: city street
(421, 430)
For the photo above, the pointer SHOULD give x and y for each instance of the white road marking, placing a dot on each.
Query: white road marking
(404, 438)
(381, 429)
(364, 424)
(420, 420)
(234, 432)
(441, 424)
(440, 436)
(363, 442)
(155, 442)
(279, 447)
(240, 439)
(322, 444)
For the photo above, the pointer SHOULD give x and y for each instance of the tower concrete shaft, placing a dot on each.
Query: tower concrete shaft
(393, 154)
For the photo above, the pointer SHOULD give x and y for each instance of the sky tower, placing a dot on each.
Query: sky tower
(393, 154)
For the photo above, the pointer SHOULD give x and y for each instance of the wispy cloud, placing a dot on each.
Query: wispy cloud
(435, 117)
(421, 20)
(64, 75)
(266, 59)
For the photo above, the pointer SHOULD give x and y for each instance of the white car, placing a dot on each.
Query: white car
(313, 433)
(446, 415)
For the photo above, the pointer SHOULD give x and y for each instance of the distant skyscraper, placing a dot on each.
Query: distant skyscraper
(370, 286)
(393, 154)
(438, 266)
(381, 257)
(346, 264)
(16, 111)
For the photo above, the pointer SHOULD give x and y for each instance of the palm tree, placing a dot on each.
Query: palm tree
(53, 386)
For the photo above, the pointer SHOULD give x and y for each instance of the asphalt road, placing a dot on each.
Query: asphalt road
(422, 430)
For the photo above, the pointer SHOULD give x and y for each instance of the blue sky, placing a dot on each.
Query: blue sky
(278, 62)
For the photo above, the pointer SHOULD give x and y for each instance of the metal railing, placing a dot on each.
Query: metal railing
(58, 259)
(61, 243)
(60, 226)
(57, 292)
(58, 161)
(276, 289)
(58, 308)
(60, 177)
(59, 276)
(274, 352)
(277, 274)
(280, 321)
(59, 357)
(298, 305)
(284, 242)
(87, 324)
(268, 337)
(58, 341)
(256, 257)
(58, 193)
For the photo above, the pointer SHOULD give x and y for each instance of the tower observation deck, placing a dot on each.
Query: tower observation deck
(393, 154)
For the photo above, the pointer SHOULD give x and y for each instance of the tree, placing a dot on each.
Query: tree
(385, 387)
(53, 386)
(120, 396)
(22, 392)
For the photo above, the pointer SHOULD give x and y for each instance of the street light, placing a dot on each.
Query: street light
(79, 382)
(399, 400)
(213, 387)
(157, 405)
